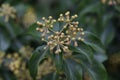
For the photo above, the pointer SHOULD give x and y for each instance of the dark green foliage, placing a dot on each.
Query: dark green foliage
(101, 22)
(84, 59)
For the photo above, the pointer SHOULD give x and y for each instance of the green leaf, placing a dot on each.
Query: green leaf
(92, 8)
(83, 49)
(38, 55)
(117, 7)
(95, 43)
(106, 19)
(81, 59)
(58, 60)
(72, 70)
(4, 40)
(55, 76)
(21, 9)
(51, 76)
(33, 32)
(108, 35)
(97, 71)
(6, 75)
(16, 28)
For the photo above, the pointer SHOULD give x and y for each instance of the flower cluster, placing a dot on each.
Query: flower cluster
(60, 40)
(7, 11)
(111, 2)
(29, 17)
(46, 26)
(26, 52)
(17, 63)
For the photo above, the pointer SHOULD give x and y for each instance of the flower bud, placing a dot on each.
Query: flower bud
(50, 17)
(43, 18)
(67, 13)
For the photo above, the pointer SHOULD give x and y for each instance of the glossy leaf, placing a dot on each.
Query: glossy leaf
(108, 35)
(51, 76)
(97, 71)
(33, 32)
(58, 60)
(38, 55)
(90, 9)
(4, 40)
(72, 70)
(83, 49)
(95, 43)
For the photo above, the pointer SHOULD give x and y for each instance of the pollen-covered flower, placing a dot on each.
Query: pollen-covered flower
(7, 11)
(59, 40)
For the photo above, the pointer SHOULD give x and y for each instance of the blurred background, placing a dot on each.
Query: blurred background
(18, 39)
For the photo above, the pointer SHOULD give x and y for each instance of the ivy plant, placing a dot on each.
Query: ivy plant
(75, 53)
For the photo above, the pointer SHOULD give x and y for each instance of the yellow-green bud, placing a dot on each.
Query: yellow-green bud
(67, 13)
(82, 33)
(37, 29)
(50, 17)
